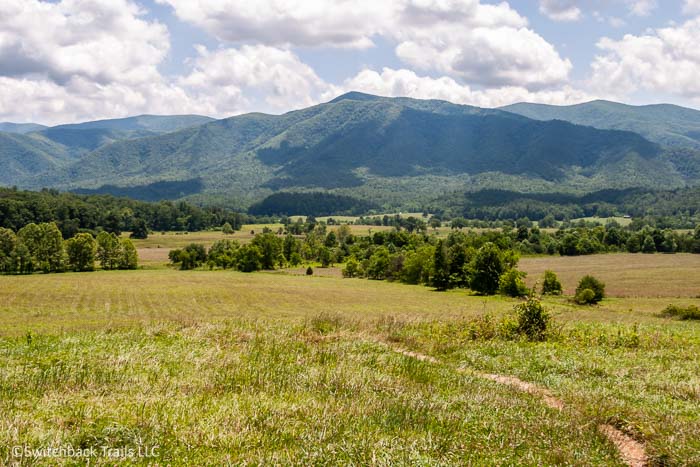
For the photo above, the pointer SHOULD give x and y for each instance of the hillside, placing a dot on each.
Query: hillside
(22, 128)
(23, 156)
(668, 125)
(396, 152)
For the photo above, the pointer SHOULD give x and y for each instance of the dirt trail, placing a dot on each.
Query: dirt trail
(631, 451)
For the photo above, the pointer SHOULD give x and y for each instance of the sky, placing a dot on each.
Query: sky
(65, 61)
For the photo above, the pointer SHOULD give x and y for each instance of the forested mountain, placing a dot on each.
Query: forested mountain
(23, 156)
(397, 152)
(22, 128)
(668, 125)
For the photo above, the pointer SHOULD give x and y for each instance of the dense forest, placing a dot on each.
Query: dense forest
(310, 204)
(75, 213)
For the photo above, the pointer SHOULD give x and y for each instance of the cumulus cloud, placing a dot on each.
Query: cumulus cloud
(344, 23)
(691, 7)
(482, 43)
(82, 59)
(393, 83)
(561, 10)
(224, 80)
(665, 60)
(641, 7)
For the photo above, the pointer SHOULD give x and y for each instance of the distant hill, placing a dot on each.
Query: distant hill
(397, 152)
(21, 128)
(668, 125)
(23, 156)
(151, 123)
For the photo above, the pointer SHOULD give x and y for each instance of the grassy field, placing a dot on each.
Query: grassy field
(215, 367)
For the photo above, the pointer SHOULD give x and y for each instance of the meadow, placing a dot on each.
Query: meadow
(213, 367)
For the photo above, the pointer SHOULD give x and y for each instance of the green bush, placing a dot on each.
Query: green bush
(690, 312)
(533, 320)
(309, 271)
(585, 297)
(511, 284)
(593, 284)
(551, 284)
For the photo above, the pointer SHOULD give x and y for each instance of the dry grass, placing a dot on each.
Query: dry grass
(625, 275)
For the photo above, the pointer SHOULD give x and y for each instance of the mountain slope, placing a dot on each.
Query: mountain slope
(21, 128)
(397, 151)
(23, 156)
(152, 123)
(668, 125)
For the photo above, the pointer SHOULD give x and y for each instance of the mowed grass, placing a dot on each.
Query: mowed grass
(625, 275)
(224, 367)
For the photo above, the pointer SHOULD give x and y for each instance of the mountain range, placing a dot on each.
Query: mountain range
(395, 152)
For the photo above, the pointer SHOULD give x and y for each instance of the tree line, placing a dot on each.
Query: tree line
(74, 213)
(41, 247)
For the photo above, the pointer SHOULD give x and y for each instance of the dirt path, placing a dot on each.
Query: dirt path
(631, 451)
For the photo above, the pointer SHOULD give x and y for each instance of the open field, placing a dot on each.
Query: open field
(625, 275)
(219, 366)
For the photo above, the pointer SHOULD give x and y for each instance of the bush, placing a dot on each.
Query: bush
(585, 297)
(511, 284)
(592, 284)
(682, 313)
(551, 284)
(309, 271)
(533, 320)
(352, 267)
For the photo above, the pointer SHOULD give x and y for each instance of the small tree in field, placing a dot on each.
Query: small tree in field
(81, 251)
(227, 229)
(511, 284)
(589, 291)
(533, 319)
(551, 284)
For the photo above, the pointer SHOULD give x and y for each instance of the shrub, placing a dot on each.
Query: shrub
(511, 284)
(533, 319)
(585, 297)
(486, 269)
(309, 271)
(594, 285)
(682, 313)
(551, 284)
(352, 267)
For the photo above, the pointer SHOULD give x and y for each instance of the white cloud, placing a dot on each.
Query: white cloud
(344, 23)
(561, 10)
(482, 43)
(691, 7)
(394, 83)
(666, 60)
(82, 59)
(226, 80)
(641, 7)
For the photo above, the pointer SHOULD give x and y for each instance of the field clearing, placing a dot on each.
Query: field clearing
(625, 274)
(220, 366)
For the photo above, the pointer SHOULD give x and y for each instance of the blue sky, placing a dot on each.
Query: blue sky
(94, 59)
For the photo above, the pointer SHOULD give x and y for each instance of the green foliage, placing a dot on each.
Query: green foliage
(592, 284)
(270, 246)
(690, 312)
(223, 253)
(310, 204)
(533, 319)
(352, 267)
(511, 284)
(441, 273)
(139, 230)
(486, 269)
(585, 297)
(309, 271)
(108, 250)
(81, 251)
(551, 284)
(227, 229)
(190, 257)
(249, 258)
(128, 258)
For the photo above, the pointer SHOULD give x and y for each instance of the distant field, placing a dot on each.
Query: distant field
(625, 275)
(271, 368)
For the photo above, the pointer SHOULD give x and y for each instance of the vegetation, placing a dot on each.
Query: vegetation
(589, 291)
(551, 284)
(310, 204)
(690, 312)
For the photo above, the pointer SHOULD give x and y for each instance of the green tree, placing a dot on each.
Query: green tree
(649, 246)
(128, 257)
(226, 229)
(8, 243)
(533, 319)
(511, 284)
(81, 251)
(486, 269)
(378, 264)
(108, 250)
(140, 230)
(592, 284)
(551, 284)
(441, 267)
(249, 258)
(223, 253)
(352, 267)
(270, 246)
